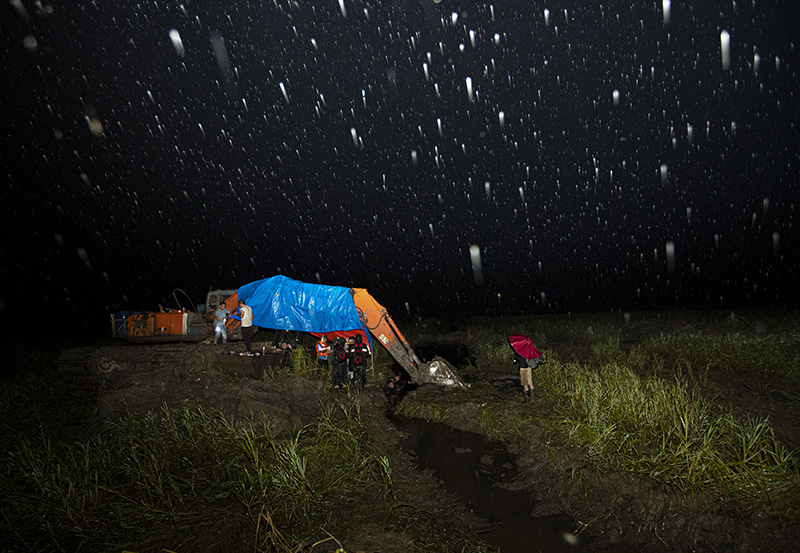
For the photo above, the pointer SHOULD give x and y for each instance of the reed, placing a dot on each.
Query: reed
(184, 479)
(775, 354)
(664, 430)
(432, 412)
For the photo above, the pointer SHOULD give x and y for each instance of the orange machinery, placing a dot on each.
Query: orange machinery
(380, 324)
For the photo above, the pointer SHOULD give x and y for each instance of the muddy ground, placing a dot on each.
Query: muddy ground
(610, 512)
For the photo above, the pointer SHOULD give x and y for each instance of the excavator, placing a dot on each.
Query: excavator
(282, 303)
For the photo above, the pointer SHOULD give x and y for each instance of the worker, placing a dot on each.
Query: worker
(322, 354)
(394, 390)
(288, 357)
(246, 317)
(358, 361)
(281, 336)
(525, 379)
(339, 363)
(220, 314)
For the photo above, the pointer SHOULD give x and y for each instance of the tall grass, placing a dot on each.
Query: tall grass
(184, 479)
(775, 354)
(638, 408)
(666, 431)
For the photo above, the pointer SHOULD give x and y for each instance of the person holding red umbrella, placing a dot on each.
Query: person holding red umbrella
(527, 357)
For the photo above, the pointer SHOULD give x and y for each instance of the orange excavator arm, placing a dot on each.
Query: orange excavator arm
(380, 324)
(382, 327)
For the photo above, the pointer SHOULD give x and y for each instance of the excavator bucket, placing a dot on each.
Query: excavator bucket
(378, 321)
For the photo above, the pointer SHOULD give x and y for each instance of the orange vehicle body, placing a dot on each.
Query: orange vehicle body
(158, 324)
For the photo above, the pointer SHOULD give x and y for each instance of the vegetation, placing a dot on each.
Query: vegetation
(666, 431)
(186, 479)
(190, 480)
(639, 410)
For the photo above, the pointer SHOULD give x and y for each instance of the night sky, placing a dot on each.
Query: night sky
(452, 157)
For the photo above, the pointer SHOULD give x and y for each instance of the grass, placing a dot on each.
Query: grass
(183, 479)
(664, 430)
(431, 412)
(638, 409)
(775, 354)
(188, 480)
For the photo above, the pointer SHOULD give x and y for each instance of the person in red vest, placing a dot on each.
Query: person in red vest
(322, 353)
(358, 362)
(339, 363)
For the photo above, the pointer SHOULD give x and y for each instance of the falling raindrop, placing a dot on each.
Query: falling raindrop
(477, 266)
(502, 117)
(615, 95)
(776, 242)
(666, 7)
(670, 257)
(664, 173)
(177, 43)
(283, 91)
(546, 17)
(17, 5)
(342, 7)
(487, 185)
(30, 43)
(354, 134)
(469, 89)
(725, 48)
(84, 257)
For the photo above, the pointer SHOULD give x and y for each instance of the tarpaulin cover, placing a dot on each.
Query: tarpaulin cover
(524, 346)
(282, 303)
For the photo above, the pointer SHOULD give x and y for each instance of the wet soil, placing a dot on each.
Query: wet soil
(535, 494)
(481, 473)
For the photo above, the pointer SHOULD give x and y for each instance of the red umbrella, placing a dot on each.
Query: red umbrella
(524, 346)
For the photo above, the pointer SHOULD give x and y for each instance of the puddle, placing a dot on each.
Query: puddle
(469, 468)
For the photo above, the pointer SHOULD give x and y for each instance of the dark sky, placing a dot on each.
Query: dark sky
(611, 155)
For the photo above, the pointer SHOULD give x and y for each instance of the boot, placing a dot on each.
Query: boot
(528, 396)
(524, 396)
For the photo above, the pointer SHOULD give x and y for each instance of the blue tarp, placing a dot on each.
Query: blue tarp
(282, 303)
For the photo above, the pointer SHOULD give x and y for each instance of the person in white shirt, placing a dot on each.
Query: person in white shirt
(246, 315)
